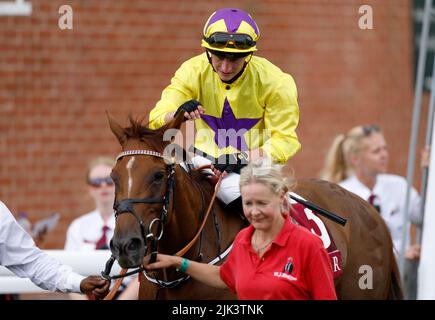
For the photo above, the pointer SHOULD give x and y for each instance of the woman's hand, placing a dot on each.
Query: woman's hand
(164, 261)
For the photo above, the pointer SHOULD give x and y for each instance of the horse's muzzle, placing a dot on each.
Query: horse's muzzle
(129, 252)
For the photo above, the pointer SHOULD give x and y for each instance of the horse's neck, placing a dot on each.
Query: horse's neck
(188, 204)
(192, 199)
(190, 194)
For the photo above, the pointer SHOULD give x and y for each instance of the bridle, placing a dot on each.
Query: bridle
(127, 206)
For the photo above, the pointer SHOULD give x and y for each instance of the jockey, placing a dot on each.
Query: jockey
(243, 106)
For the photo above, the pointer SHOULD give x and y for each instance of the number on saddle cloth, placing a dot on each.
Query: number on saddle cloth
(308, 219)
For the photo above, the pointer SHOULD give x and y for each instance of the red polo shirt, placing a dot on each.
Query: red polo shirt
(295, 267)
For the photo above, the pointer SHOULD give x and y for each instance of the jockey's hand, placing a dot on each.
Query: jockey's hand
(218, 173)
(95, 285)
(192, 110)
(232, 162)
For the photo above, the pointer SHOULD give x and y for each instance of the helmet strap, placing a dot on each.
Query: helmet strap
(209, 59)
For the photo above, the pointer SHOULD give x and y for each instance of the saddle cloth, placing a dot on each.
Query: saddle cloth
(305, 217)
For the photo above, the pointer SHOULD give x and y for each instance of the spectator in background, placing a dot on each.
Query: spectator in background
(358, 161)
(94, 230)
(425, 157)
(19, 254)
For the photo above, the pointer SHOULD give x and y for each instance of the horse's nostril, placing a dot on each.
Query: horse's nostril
(134, 244)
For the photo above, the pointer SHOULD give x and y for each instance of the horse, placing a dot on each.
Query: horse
(160, 206)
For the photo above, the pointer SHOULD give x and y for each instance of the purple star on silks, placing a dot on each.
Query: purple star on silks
(233, 18)
(228, 129)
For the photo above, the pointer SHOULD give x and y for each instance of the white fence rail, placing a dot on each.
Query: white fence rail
(84, 262)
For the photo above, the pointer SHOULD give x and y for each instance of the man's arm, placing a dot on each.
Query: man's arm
(19, 254)
(281, 118)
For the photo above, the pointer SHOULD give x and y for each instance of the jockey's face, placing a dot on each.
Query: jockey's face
(227, 68)
(262, 207)
(373, 159)
(103, 193)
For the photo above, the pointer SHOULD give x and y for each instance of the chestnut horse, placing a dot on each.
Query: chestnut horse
(158, 204)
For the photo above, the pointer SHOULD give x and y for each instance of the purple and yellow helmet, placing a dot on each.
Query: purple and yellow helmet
(230, 30)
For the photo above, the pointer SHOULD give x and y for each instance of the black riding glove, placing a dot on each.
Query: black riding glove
(232, 162)
(188, 107)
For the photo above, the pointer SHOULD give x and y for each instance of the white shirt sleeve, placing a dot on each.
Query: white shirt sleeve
(19, 254)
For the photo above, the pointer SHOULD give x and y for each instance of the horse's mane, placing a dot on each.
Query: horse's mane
(143, 133)
(153, 138)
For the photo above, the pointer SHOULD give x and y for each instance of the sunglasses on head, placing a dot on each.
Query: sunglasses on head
(239, 41)
(369, 129)
(98, 182)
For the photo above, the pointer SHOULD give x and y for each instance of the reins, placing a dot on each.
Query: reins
(192, 242)
(123, 273)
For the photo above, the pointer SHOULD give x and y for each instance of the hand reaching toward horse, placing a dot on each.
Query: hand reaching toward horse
(95, 285)
(163, 261)
(203, 272)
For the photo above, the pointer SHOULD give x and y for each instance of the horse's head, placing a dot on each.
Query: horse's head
(143, 176)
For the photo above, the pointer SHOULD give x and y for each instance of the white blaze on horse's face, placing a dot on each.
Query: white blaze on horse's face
(130, 176)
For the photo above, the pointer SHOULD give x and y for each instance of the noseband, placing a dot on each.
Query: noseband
(127, 206)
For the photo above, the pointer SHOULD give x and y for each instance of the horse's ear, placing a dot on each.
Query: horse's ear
(176, 122)
(117, 130)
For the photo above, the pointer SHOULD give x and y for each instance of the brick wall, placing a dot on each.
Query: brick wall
(55, 85)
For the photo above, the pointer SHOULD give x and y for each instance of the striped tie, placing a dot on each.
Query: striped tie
(102, 242)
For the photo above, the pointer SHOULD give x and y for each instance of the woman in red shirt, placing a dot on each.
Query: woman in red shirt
(272, 258)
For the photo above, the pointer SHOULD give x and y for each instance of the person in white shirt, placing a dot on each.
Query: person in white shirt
(20, 255)
(94, 230)
(358, 162)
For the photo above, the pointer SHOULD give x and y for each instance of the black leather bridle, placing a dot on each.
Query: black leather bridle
(127, 206)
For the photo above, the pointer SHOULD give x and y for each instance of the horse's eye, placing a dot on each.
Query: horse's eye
(159, 176)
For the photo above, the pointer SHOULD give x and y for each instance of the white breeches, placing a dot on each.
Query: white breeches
(229, 189)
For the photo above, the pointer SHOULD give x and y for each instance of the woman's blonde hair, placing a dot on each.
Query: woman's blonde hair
(104, 160)
(337, 165)
(264, 171)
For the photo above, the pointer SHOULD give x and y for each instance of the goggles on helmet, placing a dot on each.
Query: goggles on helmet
(220, 40)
